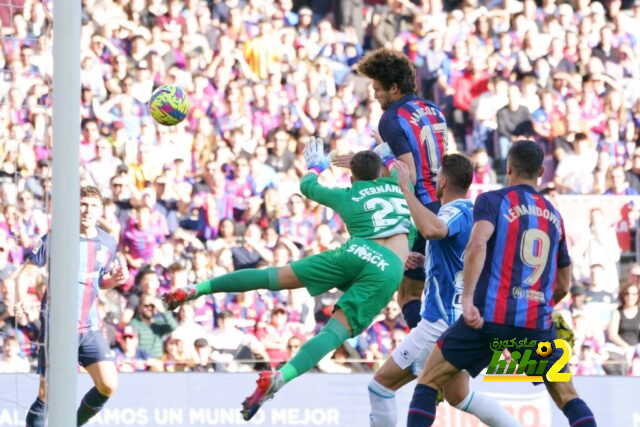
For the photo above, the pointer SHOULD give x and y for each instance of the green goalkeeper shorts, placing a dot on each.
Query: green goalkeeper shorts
(365, 271)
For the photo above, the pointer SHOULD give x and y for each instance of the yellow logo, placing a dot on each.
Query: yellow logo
(544, 349)
(499, 371)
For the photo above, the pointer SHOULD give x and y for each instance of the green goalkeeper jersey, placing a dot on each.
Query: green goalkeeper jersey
(370, 209)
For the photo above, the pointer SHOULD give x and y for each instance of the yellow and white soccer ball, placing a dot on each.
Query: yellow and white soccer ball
(169, 105)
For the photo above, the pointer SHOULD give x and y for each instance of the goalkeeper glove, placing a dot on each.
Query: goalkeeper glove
(384, 152)
(314, 156)
(563, 329)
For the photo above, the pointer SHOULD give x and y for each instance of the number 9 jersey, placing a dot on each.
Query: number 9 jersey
(526, 249)
(370, 209)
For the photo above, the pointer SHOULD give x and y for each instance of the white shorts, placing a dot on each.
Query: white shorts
(415, 348)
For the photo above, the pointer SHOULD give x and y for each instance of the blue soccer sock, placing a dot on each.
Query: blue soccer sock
(422, 410)
(579, 414)
(36, 414)
(91, 404)
(411, 312)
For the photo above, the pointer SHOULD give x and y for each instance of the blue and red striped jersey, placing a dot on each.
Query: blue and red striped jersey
(417, 126)
(526, 249)
(96, 257)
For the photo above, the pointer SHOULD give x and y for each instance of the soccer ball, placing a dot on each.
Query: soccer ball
(169, 105)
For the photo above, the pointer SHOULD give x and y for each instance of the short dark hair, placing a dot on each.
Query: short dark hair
(458, 170)
(526, 158)
(388, 67)
(366, 165)
(91, 191)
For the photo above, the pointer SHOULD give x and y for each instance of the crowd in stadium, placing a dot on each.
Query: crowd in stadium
(219, 192)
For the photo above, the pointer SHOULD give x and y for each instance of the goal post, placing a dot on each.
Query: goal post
(62, 337)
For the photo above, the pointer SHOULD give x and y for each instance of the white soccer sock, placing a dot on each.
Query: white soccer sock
(487, 409)
(383, 405)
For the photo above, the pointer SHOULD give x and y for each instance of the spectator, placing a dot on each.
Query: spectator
(152, 324)
(598, 302)
(11, 360)
(276, 334)
(129, 357)
(513, 120)
(188, 330)
(624, 328)
(574, 174)
(176, 358)
(617, 185)
(202, 360)
(380, 334)
(229, 343)
(603, 249)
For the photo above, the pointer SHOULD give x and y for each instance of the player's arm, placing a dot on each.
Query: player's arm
(118, 273)
(317, 162)
(312, 189)
(475, 255)
(392, 134)
(429, 225)
(563, 275)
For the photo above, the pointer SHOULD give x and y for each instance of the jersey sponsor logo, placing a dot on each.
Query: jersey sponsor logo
(529, 294)
(447, 213)
(520, 210)
(368, 255)
(386, 188)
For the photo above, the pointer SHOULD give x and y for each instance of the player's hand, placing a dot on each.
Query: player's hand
(120, 273)
(386, 155)
(414, 260)
(404, 179)
(314, 155)
(18, 310)
(376, 136)
(471, 314)
(342, 160)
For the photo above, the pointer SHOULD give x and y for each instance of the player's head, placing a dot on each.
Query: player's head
(455, 174)
(524, 160)
(365, 166)
(392, 73)
(90, 206)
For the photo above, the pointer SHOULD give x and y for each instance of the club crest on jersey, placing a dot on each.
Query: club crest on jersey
(102, 256)
(368, 255)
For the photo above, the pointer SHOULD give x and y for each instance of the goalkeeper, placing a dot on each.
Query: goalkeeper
(368, 268)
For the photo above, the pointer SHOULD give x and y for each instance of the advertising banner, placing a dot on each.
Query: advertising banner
(193, 399)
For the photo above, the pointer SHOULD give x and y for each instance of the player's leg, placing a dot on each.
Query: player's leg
(485, 408)
(575, 409)
(411, 287)
(410, 299)
(405, 363)
(382, 392)
(105, 379)
(330, 337)
(96, 357)
(250, 279)
(437, 371)
(368, 288)
(36, 414)
(459, 348)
